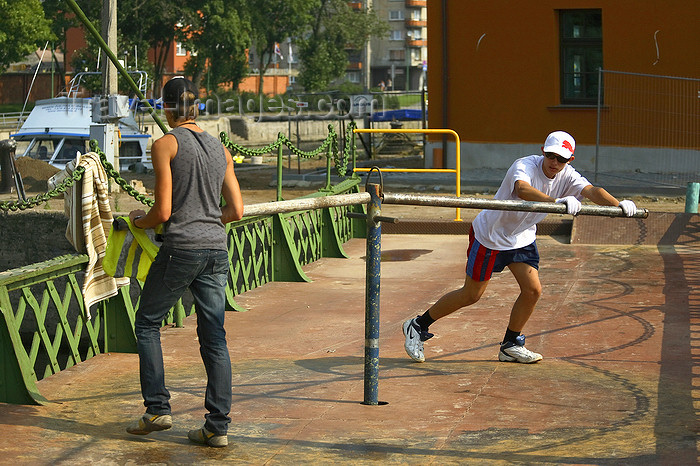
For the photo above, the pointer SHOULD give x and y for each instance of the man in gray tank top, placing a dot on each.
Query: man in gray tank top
(193, 170)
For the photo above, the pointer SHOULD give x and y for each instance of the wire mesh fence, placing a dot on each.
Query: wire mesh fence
(648, 129)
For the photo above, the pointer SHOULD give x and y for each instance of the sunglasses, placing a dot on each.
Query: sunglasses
(559, 158)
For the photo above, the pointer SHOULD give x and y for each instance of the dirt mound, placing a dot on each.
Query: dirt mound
(34, 173)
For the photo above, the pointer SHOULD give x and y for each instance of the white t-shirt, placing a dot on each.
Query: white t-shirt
(503, 229)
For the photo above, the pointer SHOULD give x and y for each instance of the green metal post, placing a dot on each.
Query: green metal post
(328, 169)
(179, 314)
(103, 45)
(17, 377)
(354, 154)
(280, 161)
(119, 323)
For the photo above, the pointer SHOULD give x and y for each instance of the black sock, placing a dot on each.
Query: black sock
(424, 321)
(510, 336)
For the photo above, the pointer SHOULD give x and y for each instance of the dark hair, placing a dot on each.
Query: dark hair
(180, 94)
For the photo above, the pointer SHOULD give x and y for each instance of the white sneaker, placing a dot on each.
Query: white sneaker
(414, 339)
(516, 352)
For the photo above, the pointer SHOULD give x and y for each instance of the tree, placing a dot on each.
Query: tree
(156, 24)
(336, 30)
(272, 21)
(62, 18)
(218, 38)
(23, 28)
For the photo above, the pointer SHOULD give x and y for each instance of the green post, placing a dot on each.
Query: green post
(179, 314)
(691, 198)
(17, 377)
(352, 151)
(119, 323)
(280, 161)
(329, 155)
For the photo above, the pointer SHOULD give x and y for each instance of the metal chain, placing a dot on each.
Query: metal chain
(114, 174)
(341, 162)
(330, 144)
(77, 174)
(14, 206)
(232, 146)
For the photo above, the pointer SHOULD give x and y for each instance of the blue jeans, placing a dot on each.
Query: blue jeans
(205, 272)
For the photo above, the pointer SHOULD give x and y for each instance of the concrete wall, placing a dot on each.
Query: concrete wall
(30, 237)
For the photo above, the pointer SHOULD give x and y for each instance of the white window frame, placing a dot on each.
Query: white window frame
(396, 34)
(353, 77)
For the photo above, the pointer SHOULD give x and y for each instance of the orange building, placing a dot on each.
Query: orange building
(503, 72)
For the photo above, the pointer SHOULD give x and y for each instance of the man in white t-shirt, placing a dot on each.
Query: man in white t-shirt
(500, 239)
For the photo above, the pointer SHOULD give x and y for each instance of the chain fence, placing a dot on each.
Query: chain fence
(648, 129)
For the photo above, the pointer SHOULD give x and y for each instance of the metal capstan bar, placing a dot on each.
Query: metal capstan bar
(269, 208)
(295, 205)
(492, 204)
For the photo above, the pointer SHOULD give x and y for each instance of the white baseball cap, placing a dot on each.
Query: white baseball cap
(561, 143)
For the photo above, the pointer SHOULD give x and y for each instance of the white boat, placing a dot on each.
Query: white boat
(57, 128)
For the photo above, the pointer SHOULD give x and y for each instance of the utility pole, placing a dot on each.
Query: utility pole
(109, 34)
(105, 111)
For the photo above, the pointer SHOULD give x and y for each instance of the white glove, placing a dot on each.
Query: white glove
(573, 205)
(628, 207)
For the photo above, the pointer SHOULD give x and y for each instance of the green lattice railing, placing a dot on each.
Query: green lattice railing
(44, 326)
(43, 323)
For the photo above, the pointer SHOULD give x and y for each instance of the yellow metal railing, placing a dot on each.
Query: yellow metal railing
(455, 170)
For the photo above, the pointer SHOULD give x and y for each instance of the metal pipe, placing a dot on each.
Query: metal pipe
(295, 205)
(492, 204)
(372, 282)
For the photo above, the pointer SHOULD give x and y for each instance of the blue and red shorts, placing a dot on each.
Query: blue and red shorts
(482, 261)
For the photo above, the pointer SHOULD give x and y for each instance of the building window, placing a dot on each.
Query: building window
(180, 51)
(396, 35)
(396, 15)
(581, 46)
(353, 76)
(397, 54)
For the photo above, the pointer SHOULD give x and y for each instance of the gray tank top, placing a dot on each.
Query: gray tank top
(198, 176)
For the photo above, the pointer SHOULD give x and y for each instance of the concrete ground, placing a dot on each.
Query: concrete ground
(618, 326)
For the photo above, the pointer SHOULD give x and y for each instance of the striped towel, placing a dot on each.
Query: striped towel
(90, 235)
(130, 250)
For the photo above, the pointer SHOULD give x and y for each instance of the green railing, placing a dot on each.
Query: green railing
(44, 327)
